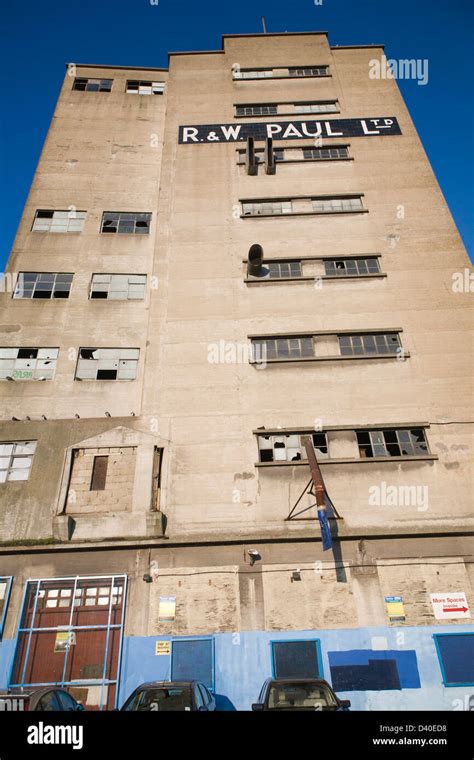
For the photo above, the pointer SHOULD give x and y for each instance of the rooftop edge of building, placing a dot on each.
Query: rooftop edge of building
(221, 52)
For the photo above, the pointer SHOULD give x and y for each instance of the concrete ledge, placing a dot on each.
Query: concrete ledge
(283, 534)
(155, 524)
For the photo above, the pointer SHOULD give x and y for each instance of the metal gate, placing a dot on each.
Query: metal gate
(70, 635)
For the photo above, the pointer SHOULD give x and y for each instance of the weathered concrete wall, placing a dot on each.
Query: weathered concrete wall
(102, 153)
(118, 489)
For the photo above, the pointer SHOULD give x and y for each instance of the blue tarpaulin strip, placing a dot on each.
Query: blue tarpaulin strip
(325, 529)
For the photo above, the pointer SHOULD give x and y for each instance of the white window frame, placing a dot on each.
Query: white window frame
(289, 446)
(59, 221)
(122, 360)
(144, 87)
(263, 208)
(337, 205)
(16, 458)
(41, 366)
(329, 107)
(118, 287)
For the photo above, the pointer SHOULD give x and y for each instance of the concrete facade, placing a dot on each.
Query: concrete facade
(186, 495)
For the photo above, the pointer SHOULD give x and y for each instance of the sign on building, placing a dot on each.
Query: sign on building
(449, 606)
(162, 647)
(64, 640)
(289, 130)
(395, 609)
(167, 609)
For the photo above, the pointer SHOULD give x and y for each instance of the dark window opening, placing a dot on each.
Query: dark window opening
(391, 443)
(295, 659)
(106, 374)
(99, 473)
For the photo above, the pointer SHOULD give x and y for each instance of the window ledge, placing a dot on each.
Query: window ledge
(305, 213)
(353, 276)
(337, 357)
(362, 460)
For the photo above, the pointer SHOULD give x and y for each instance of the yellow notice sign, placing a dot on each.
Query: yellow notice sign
(395, 609)
(162, 647)
(63, 640)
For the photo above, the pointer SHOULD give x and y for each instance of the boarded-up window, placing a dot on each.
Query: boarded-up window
(99, 473)
(296, 659)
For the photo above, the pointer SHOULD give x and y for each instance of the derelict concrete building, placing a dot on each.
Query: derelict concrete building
(157, 387)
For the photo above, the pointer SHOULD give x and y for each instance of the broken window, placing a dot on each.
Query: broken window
(392, 443)
(266, 208)
(365, 344)
(288, 447)
(45, 285)
(124, 222)
(59, 221)
(325, 154)
(315, 107)
(16, 458)
(310, 71)
(99, 473)
(239, 73)
(107, 364)
(134, 86)
(280, 72)
(257, 109)
(118, 287)
(294, 347)
(92, 85)
(28, 363)
(341, 205)
(352, 267)
(156, 478)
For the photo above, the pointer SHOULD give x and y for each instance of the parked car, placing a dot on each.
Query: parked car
(298, 694)
(48, 699)
(161, 696)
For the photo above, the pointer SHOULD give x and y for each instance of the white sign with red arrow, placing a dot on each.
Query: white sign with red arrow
(449, 606)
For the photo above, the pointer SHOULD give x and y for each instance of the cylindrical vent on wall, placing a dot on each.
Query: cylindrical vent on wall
(255, 261)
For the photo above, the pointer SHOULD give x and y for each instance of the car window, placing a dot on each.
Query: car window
(162, 698)
(66, 701)
(261, 696)
(200, 701)
(297, 695)
(48, 702)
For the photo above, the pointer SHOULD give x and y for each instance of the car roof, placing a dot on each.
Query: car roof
(298, 680)
(168, 684)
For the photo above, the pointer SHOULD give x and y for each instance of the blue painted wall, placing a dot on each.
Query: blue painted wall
(243, 662)
(7, 653)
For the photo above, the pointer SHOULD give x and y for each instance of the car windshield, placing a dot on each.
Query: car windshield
(286, 696)
(162, 698)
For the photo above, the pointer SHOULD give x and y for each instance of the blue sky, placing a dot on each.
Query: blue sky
(38, 38)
